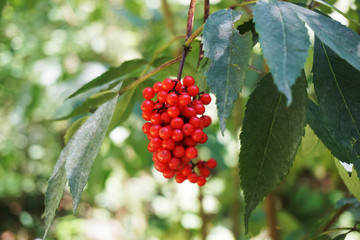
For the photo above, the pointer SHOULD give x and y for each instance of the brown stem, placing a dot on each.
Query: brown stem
(169, 19)
(335, 218)
(206, 15)
(236, 204)
(271, 217)
(189, 28)
(150, 74)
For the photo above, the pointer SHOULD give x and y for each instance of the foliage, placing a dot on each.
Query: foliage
(103, 156)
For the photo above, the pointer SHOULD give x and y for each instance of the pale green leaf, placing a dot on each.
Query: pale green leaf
(284, 41)
(341, 39)
(72, 129)
(270, 137)
(352, 181)
(84, 146)
(229, 52)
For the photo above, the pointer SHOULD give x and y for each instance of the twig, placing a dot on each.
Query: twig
(256, 70)
(271, 217)
(335, 217)
(150, 74)
(189, 28)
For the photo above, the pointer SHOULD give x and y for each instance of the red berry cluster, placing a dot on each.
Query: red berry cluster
(176, 122)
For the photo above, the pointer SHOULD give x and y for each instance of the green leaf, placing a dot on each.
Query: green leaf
(84, 146)
(229, 53)
(316, 122)
(284, 41)
(270, 136)
(75, 126)
(90, 104)
(55, 190)
(123, 108)
(352, 181)
(337, 86)
(341, 39)
(111, 74)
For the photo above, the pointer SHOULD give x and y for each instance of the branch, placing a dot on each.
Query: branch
(206, 15)
(189, 28)
(271, 217)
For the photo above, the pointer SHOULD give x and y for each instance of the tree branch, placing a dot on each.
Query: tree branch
(271, 217)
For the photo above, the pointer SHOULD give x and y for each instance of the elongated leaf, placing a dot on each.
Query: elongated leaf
(284, 42)
(83, 148)
(341, 39)
(123, 108)
(90, 104)
(75, 126)
(229, 53)
(352, 182)
(270, 136)
(55, 190)
(337, 86)
(111, 74)
(318, 125)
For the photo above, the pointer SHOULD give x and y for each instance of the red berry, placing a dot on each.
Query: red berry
(185, 159)
(204, 172)
(198, 135)
(161, 166)
(168, 144)
(165, 132)
(147, 106)
(201, 181)
(164, 155)
(155, 118)
(177, 123)
(189, 142)
(157, 87)
(211, 163)
(165, 118)
(188, 81)
(188, 129)
(193, 177)
(189, 112)
(148, 93)
(167, 84)
(204, 139)
(146, 127)
(174, 163)
(191, 152)
(161, 96)
(169, 173)
(154, 130)
(173, 111)
(196, 122)
(178, 151)
(172, 98)
(193, 90)
(205, 98)
(206, 120)
(178, 85)
(156, 143)
(199, 108)
(179, 178)
(187, 170)
(177, 135)
(184, 99)
(146, 115)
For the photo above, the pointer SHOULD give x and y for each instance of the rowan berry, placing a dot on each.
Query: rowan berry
(164, 155)
(147, 106)
(188, 129)
(199, 108)
(179, 151)
(173, 111)
(201, 181)
(204, 172)
(165, 132)
(146, 127)
(167, 84)
(177, 135)
(188, 81)
(184, 99)
(193, 90)
(169, 173)
(154, 130)
(211, 163)
(193, 177)
(206, 120)
(174, 163)
(179, 178)
(198, 135)
(205, 98)
(165, 118)
(162, 96)
(157, 87)
(191, 152)
(177, 123)
(148, 93)
(172, 98)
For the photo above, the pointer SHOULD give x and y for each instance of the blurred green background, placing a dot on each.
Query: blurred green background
(49, 48)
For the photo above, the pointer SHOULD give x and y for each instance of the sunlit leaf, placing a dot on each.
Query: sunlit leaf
(270, 136)
(229, 53)
(352, 181)
(75, 126)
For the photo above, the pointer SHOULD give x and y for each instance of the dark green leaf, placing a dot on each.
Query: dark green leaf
(72, 129)
(229, 53)
(111, 74)
(337, 86)
(270, 136)
(55, 190)
(341, 39)
(123, 108)
(316, 122)
(284, 42)
(341, 236)
(83, 147)
(90, 104)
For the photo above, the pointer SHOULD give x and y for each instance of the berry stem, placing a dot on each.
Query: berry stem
(189, 28)
(206, 15)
